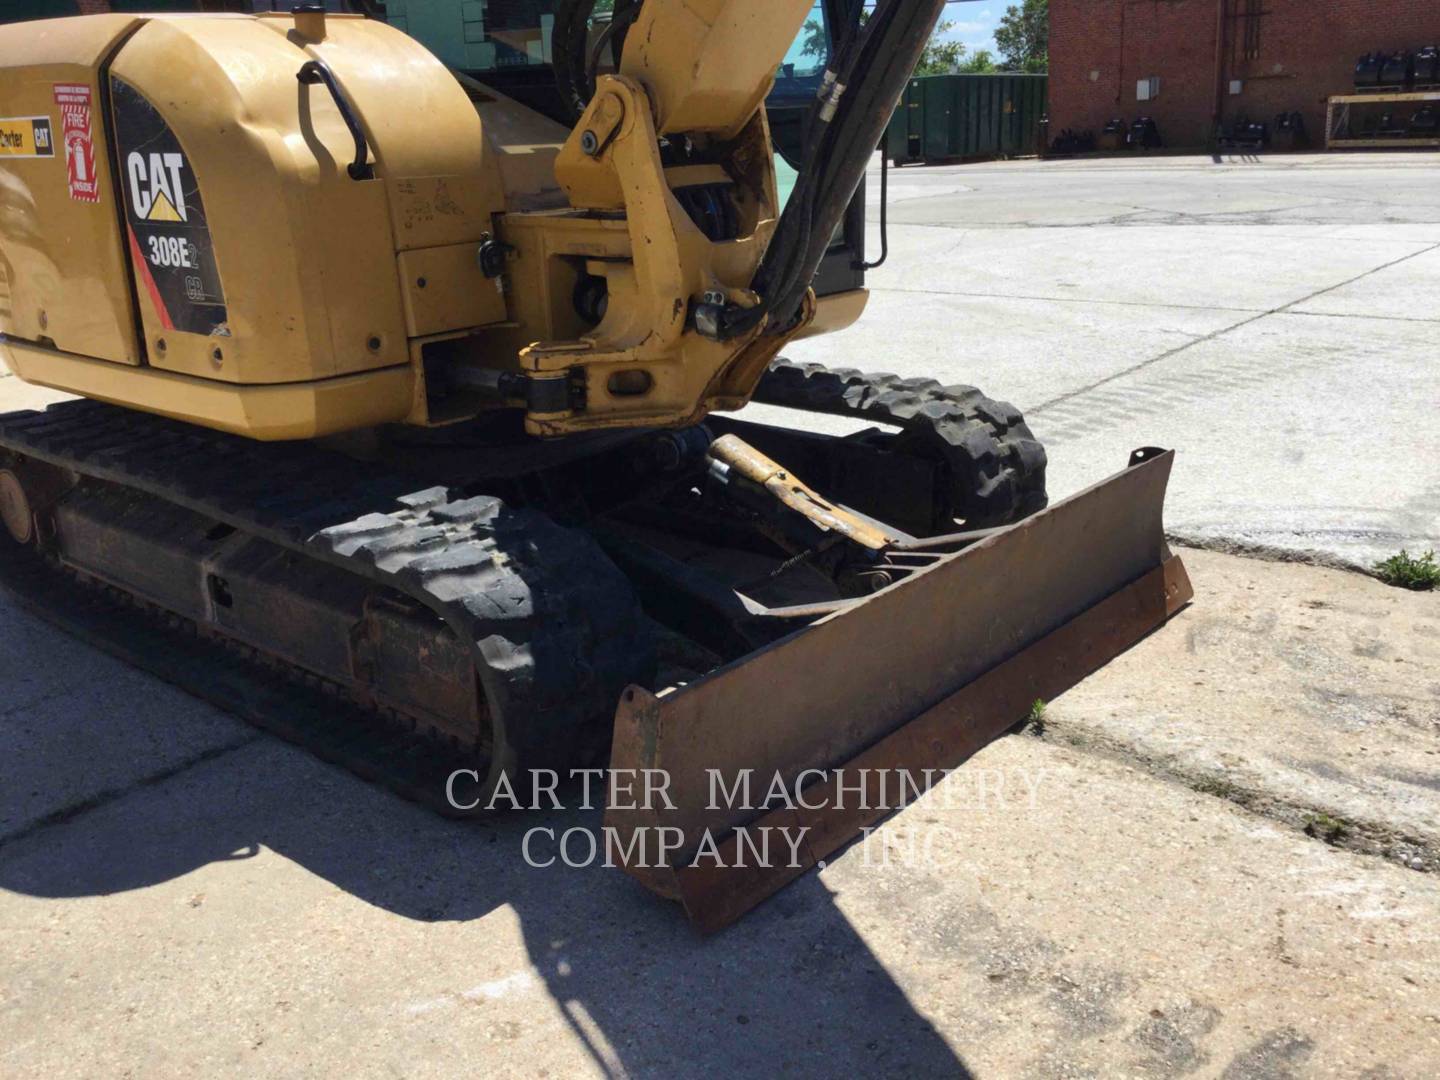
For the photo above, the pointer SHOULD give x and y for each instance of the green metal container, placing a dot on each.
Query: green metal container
(454, 30)
(24, 10)
(967, 117)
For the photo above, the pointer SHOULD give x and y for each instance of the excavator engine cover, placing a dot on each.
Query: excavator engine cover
(203, 206)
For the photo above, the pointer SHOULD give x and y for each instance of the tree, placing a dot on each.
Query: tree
(1024, 36)
(980, 63)
(940, 57)
(816, 43)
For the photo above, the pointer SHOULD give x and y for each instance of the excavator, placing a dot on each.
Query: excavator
(407, 416)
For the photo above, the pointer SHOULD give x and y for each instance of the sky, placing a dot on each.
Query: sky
(975, 22)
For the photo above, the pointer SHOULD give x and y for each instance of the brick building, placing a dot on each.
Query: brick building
(1217, 60)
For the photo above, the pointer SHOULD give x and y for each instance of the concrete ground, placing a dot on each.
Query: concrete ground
(1275, 322)
(1216, 859)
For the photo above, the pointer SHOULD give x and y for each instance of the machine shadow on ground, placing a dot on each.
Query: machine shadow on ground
(791, 989)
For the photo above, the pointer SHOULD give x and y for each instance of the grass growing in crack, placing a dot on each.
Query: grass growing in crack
(1211, 785)
(1035, 719)
(1324, 827)
(1408, 572)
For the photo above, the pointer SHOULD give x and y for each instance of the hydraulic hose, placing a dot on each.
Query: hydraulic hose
(574, 60)
(845, 125)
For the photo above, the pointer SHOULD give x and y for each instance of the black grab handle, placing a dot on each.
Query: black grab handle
(313, 71)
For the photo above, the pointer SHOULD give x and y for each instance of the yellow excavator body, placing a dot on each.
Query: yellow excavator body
(288, 259)
(402, 428)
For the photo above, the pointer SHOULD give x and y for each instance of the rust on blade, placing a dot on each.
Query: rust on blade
(941, 738)
(919, 676)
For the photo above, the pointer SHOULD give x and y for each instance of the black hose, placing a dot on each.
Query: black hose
(619, 23)
(887, 57)
(567, 50)
(878, 65)
(861, 264)
(575, 64)
(799, 210)
(872, 65)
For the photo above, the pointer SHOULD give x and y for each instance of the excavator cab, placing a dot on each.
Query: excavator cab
(509, 47)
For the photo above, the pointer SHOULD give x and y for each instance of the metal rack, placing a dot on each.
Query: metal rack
(1337, 118)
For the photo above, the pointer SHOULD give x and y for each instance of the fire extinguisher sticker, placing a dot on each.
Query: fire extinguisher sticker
(79, 143)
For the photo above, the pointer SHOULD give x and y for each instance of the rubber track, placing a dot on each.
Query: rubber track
(555, 624)
(293, 706)
(996, 466)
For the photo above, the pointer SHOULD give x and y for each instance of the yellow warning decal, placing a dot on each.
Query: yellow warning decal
(26, 136)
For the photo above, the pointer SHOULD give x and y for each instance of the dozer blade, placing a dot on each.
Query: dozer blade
(918, 676)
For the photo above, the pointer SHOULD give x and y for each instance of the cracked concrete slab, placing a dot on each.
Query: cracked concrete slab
(1078, 341)
(1119, 928)
(77, 725)
(1044, 911)
(1278, 358)
(1132, 894)
(1292, 433)
(1236, 267)
(1297, 691)
(1405, 290)
(1305, 190)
